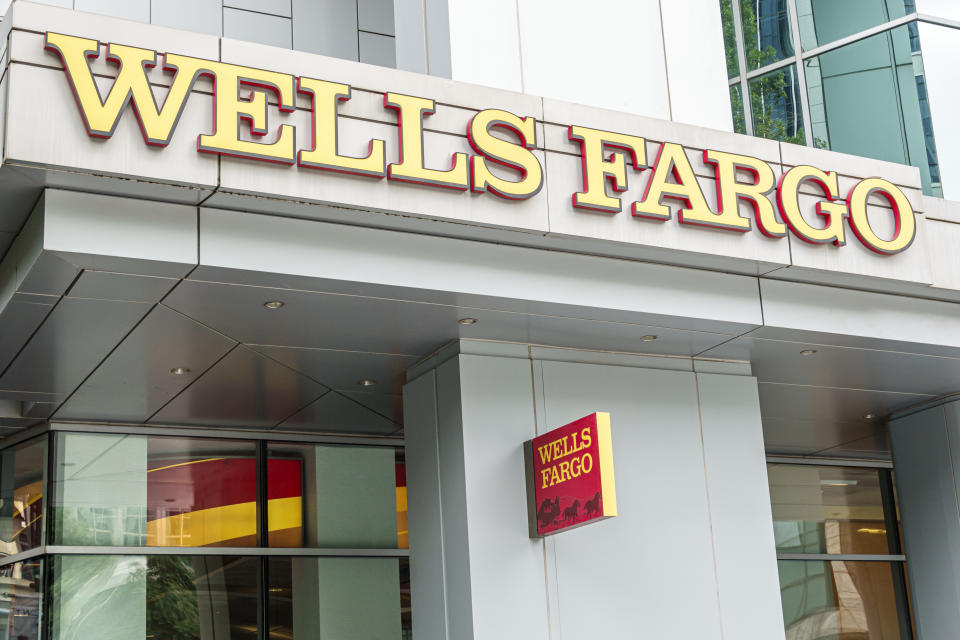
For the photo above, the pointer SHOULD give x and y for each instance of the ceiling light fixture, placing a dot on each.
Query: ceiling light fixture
(366, 382)
(179, 371)
(273, 304)
(467, 321)
(648, 338)
(869, 416)
(808, 352)
(839, 483)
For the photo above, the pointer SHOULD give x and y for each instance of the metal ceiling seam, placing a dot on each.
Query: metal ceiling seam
(192, 382)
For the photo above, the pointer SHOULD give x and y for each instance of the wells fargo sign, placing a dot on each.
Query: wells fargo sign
(500, 140)
(570, 476)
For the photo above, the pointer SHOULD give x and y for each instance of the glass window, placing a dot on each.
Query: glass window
(332, 496)
(127, 490)
(729, 38)
(825, 21)
(775, 106)
(828, 510)
(170, 597)
(736, 106)
(22, 472)
(365, 598)
(876, 84)
(766, 32)
(846, 600)
(21, 600)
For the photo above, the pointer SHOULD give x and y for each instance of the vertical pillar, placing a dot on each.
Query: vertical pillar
(926, 454)
(691, 552)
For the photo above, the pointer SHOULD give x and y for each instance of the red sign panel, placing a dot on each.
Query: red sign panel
(570, 476)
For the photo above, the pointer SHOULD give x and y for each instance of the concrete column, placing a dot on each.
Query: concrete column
(926, 454)
(691, 553)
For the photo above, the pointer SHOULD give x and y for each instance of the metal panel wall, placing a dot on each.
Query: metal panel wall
(926, 450)
(740, 513)
(691, 553)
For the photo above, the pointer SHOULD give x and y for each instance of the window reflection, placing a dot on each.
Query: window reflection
(366, 598)
(729, 38)
(168, 597)
(766, 31)
(333, 496)
(775, 106)
(736, 106)
(828, 509)
(21, 600)
(126, 490)
(22, 471)
(839, 600)
(825, 21)
(876, 84)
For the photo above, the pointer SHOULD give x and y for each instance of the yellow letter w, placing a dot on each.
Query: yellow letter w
(131, 84)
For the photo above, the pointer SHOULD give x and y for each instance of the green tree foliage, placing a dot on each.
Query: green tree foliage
(766, 92)
(172, 608)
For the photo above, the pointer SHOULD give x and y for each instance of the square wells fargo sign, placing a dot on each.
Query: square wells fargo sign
(570, 476)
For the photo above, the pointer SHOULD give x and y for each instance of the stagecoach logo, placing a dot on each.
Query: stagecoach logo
(503, 163)
(570, 476)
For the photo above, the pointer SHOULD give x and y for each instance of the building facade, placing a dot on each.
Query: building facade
(286, 286)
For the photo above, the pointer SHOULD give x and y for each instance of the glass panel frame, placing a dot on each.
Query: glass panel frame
(776, 106)
(154, 491)
(767, 34)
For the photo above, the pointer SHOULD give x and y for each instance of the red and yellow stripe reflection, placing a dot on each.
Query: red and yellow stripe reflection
(212, 502)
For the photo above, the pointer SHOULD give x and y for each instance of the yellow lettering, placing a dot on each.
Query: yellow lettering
(230, 110)
(545, 473)
(410, 113)
(324, 152)
(546, 453)
(586, 437)
(575, 467)
(730, 192)
(905, 227)
(564, 471)
(493, 149)
(672, 161)
(101, 116)
(833, 212)
(596, 170)
(586, 463)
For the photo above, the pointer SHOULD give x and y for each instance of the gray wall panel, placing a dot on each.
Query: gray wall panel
(453, 492)
(138, 10)
(498, 416)
(410, 31)
(655, 559)
(376, 16)
(327, 27)
(257, 27)
(428, 596)
(925, 448)
(740, 513)
(274, 7)
(203, 16)
(377, 49)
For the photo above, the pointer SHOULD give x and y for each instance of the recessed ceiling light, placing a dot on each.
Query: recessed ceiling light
(273, 304)
(839, 483)
(869, 416)
(179, 371)
(467, 321)
(366, 382)
(808, 352)
(648, 338)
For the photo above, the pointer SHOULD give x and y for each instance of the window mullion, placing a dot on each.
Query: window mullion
(800, 71)
(742, 59)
